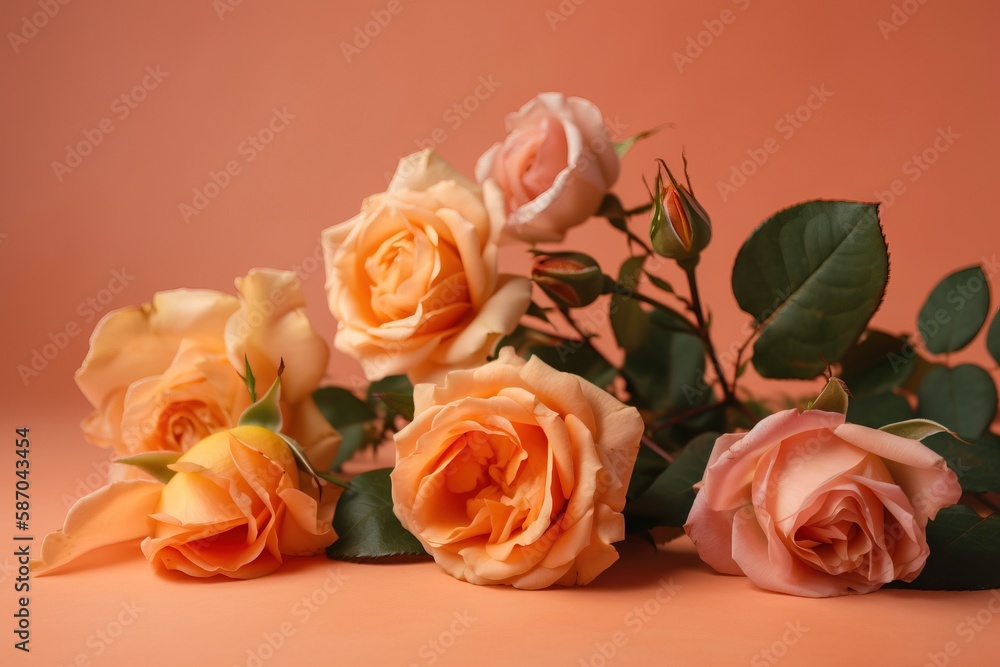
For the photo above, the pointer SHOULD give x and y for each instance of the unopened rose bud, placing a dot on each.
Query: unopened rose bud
(571, 279)
(679, 228)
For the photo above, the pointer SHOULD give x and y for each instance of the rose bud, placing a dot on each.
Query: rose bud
(571, 279)
(679, 228)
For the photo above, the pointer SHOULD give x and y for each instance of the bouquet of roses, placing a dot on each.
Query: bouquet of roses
(524, 451)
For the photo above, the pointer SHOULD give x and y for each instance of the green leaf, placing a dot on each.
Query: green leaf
(400, 403)
(811, 276)
(668, 501)
(833, 398)
(648, 466)
(266, 412)
(394, 384)
(365, 524)
(965, 550)
(660, 282)
(877, 362)
(628, 320)
(878, 410)
(625, 145)
(155, 463)
(993, 338)
(536, 311)
(955, 311)
(299, 454)
(914, 429)
(349, 415)
(341, 407)
(354, 438)
(963, 398)
(249, 380)
(977, 464)
(667, 372)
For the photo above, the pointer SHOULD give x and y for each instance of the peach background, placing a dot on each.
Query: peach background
(60, 243)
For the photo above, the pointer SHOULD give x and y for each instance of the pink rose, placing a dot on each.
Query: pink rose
(554, 167)
(810, 505)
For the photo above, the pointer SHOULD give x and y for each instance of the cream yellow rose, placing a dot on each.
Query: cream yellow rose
(412, 279)
(164, 375)
(515, 473)
(234, 507)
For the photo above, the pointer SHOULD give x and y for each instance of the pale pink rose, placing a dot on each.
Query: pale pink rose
(553, 169)
(810, 505)
(164, 375)
(412, 279)
(515, 473)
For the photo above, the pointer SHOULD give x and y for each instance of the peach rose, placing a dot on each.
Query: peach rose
(412, 279)
(810, 505)
(554, 167)
(515, 473)
(164, 375)
(233, 507)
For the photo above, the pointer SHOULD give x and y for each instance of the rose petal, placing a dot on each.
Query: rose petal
(115, 513)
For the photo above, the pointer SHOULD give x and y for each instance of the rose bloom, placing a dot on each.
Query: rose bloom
(412, 279)
(234, 507)
(810, 505)
(554, 167)
(515, 473)
(166, 374)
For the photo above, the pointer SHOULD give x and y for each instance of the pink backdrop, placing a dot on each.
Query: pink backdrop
(115, 113)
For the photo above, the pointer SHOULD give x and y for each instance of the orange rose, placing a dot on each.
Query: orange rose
(515, 473)
(234, 507)
(412, 279)
(164, 375)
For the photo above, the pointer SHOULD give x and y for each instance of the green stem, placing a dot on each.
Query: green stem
(706, 339)
(584, 336)
(639, 210)
(659, 305)
(334, 480)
